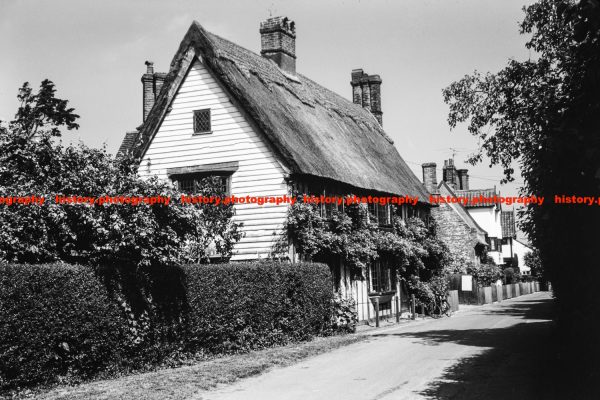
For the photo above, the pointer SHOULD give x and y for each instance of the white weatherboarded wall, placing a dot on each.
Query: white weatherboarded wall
(233, 138)
(489, 219)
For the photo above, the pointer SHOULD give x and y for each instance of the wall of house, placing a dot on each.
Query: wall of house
(488, 218)
(508, 248)
(520, 250)
(233, 138)
(358, 290)
(454, 232)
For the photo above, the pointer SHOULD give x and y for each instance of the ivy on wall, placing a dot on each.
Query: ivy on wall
(410, 246)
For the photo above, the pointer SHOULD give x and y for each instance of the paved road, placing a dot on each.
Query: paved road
(490, 352)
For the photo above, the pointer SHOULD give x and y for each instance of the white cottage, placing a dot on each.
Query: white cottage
(264, 128)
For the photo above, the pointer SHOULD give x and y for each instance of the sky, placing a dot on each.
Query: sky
(94, 51)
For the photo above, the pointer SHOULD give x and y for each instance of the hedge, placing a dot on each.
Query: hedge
(244, 306)
(63, 323)
(56, 321)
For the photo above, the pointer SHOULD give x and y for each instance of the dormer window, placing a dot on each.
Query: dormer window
(202, 121)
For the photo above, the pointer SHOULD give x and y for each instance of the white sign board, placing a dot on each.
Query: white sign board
(466, 283)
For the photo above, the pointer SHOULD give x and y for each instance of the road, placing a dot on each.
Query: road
(497, 351)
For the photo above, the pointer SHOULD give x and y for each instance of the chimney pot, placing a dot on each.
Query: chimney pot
(152, 82)
(278, 42)
(463, 178)
(430, 177)
(450, 175)
(366, 92)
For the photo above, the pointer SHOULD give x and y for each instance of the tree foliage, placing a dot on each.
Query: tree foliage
(534, 263)
(42, 110)
(34, 162)
(544, 115)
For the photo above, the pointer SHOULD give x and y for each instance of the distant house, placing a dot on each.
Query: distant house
(520, 249)
(266, 129)
(509, 235)
(486, 215)
(513, 250)
(455, 225)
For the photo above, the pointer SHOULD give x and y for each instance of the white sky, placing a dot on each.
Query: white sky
(94, 51)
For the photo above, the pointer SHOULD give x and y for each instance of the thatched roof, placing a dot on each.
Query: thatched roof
(315, 131)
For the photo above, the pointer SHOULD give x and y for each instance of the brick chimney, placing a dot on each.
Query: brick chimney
(152, 82)
(463, 178)
(278, 42)
(450, 174)
(430, 177)
(366, 92)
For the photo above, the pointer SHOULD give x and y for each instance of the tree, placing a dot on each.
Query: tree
(42, 110)
(544, 115)
(534, 263)
(34, 162)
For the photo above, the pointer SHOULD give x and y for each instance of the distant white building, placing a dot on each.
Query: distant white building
(513, 250)
(488, 216)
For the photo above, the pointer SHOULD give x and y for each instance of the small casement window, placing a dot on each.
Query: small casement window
(493, 244)
(381, 278)
(328, 209)
(380, 215)
(383, 215)
(197, 184)
(202, 121)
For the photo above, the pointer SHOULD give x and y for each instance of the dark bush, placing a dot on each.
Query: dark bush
(243, 306)
(56, 322)
(345, 317)
(61, 323)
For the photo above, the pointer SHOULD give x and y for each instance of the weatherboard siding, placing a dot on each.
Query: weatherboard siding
(233, 138)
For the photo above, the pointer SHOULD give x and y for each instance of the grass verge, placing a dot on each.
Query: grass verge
(185, 382)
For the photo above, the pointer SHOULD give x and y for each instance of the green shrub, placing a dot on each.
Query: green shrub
(56, 323)
(64, 323)
(241, 306)
(511, 276)
(485, 274)
(345, 317)
(423, 292)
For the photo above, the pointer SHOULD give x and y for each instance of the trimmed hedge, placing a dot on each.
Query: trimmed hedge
(56, 321)
(244, 306)
(62, 323)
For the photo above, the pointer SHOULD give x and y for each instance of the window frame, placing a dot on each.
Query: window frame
(196, 177)
(375, 214)
(197, 112)
(380, 277)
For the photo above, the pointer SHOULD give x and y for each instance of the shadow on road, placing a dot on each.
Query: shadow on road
(518, 361)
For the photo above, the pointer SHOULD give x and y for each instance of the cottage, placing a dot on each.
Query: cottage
(455, 225)
(253, 120)
(486, 215)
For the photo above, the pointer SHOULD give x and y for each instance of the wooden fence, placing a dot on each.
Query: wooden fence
(398, 303)
(493, 293)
